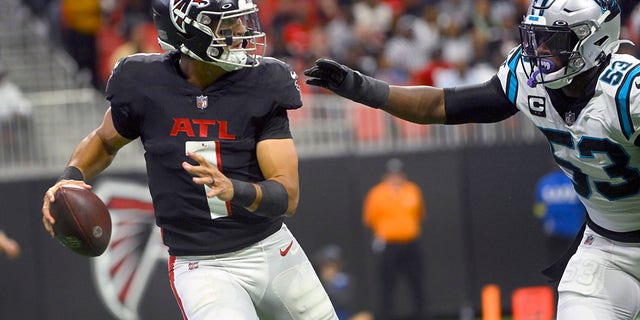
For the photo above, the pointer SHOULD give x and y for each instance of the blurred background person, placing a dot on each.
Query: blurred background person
(559, 210)
(81, 21)
(394, 210)
(338, 283)
(15, 120)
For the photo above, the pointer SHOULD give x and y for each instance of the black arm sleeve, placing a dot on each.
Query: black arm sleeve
(482, 103)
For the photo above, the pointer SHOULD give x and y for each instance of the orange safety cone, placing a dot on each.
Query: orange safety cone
(533, 303)
(491, 309)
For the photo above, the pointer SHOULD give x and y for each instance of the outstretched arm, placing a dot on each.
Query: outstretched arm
(418, 104)
(485, 102)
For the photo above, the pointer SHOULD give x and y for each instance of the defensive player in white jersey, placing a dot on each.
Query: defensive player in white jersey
(568, 80)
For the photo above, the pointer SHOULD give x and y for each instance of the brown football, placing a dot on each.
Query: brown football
(83, 223)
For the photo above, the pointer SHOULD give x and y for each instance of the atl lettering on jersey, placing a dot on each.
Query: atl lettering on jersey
(201, 128)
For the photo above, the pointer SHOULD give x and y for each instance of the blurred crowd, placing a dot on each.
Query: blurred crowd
(430, 42)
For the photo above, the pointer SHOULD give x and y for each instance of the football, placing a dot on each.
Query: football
(83, 222)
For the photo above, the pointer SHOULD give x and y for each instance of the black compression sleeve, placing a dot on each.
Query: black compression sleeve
(275, 199)
(482, 103)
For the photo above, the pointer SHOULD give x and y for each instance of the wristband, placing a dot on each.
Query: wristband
(244, 193)
(71, 173)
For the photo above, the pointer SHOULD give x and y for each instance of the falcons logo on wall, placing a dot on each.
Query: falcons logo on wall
(121, 273)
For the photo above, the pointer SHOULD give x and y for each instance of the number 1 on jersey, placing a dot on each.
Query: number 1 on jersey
(210, 151)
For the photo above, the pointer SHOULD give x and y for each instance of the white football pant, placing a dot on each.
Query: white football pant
(270, 280)
(601, 281)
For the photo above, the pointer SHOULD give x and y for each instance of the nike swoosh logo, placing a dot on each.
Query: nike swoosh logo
(286, 250)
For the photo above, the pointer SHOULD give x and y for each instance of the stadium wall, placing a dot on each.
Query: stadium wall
(480, 229)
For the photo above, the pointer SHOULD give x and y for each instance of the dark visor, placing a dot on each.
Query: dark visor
(541, 41)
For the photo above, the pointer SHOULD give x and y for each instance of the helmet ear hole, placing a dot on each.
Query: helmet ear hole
(214, 52)
(601, 41)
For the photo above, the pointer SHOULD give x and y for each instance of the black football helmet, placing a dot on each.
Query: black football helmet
(226, 33)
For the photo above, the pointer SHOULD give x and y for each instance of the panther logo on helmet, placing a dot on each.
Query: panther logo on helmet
(610, 5)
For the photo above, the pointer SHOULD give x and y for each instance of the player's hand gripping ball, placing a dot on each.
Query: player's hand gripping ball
(83, 223)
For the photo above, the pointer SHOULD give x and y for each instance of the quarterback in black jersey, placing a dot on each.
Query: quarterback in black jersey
(211, 113)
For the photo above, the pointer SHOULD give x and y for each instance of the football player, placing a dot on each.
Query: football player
(222, 167)
(567, 78)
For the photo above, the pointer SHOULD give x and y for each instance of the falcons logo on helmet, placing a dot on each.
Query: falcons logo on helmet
(123, 271)
(180, 11)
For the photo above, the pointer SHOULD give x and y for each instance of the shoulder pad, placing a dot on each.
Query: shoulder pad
(621, 80)
(282, 80)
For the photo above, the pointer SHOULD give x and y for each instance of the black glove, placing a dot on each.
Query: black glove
(348, 83)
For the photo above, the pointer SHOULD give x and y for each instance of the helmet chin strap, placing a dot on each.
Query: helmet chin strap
(545, 66)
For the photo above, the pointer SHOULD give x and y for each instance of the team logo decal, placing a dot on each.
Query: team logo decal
(611, 5)
(542, 4)
(202, 102)
(294, 76)
(537, 106)
(180, 11)
(122, 272)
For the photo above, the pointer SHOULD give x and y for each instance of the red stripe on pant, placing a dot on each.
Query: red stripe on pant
(172, 261)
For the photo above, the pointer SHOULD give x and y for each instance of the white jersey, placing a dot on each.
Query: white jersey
(594, 148)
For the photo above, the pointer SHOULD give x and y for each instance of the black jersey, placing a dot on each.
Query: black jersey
(151, 100)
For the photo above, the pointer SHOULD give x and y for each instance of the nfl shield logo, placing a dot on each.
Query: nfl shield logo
(202, 102)
(589, 240)
(570, 118)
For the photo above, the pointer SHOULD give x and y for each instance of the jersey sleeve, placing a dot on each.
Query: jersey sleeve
(119, 92)
(628, 105)
(275, 125)
(285, 92)
(285, 86)
(507, 73)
